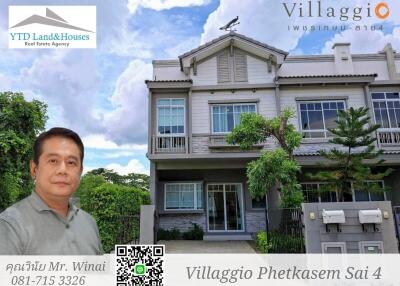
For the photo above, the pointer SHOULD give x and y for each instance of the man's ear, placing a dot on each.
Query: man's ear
(32, 167)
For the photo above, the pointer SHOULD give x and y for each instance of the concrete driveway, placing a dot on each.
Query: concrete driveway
(201, 246)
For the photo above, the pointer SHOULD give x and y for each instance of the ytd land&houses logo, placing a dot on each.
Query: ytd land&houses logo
(52, 27)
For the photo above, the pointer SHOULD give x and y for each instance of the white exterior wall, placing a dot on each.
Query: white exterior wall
(309, 68)
(288, 97)
(201, 109)
(257, 71)
(168, 73)
(398, 66)
(371, 67)
(206, 73)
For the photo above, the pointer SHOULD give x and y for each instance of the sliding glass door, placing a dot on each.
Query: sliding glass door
(225, 207)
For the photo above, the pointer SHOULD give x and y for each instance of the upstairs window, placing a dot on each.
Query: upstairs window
(386, 109)
(317, 116)
(225, 117)
(171, 116)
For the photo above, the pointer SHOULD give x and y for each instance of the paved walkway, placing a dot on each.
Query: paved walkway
(201, 246)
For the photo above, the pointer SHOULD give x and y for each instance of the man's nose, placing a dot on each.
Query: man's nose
(61, 167)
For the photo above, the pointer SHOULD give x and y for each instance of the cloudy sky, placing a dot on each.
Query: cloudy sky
(100, 92)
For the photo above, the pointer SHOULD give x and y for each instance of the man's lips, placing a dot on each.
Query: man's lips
(61, 183)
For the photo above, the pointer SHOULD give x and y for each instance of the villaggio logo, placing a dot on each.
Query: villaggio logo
(350, 16)
(52, 27)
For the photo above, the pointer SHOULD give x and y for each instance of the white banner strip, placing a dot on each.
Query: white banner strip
(203, 269)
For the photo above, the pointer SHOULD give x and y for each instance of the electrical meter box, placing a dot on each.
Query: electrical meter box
(333, 216)
(370, 216)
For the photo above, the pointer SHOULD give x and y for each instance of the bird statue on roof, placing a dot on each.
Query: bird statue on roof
(231, 24)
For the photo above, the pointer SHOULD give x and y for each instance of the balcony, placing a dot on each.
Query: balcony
(388, 137)
(169, 144)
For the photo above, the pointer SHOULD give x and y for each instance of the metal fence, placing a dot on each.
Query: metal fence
(285, 231)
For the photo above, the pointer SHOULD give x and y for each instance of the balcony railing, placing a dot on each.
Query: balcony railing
(169, 144)
(389, 137)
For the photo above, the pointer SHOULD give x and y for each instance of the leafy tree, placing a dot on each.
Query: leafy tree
(131, 180)
(20, 122)
(352, 163)
(277, 167)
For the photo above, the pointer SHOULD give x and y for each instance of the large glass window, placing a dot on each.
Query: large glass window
(226, 117)
(360, 196)
(313, 194)
(317, 116)
(387, 109)
(183, 196)
(171, 116)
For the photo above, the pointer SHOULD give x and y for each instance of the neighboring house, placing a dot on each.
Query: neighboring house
(195, 100)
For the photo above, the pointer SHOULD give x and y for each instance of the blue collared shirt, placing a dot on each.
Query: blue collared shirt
(31, 227)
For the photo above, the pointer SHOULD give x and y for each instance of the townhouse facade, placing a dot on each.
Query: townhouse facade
(195, 100)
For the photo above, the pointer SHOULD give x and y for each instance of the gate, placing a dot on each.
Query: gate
(285, 231)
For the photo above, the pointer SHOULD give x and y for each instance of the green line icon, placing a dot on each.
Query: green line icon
(139, 269)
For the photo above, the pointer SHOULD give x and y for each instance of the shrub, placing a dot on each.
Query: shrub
(115, 208)
(194, 233)
(165, 234)
(285, 243)
(262, 242)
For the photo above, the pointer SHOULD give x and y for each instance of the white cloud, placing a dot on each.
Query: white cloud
(67, 81)
(183, 47)
(98, 141)
(267, 20)
(159, 5)
(133, 166)
(128, 121)
(365, 41)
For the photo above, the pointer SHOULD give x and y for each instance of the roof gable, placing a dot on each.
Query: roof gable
(232, 39)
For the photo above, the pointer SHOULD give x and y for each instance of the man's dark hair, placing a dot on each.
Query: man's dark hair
(55, 132)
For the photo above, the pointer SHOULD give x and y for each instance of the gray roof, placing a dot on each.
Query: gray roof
(172, 80)
(299, 153)
(330, 75)
(231, 35)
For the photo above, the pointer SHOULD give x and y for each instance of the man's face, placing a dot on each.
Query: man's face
(58, 172)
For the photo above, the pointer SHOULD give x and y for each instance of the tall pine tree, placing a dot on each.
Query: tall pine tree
(352, 164)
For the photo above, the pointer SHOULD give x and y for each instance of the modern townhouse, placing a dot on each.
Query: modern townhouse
(195, 100)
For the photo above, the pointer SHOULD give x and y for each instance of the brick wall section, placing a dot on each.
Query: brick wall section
(183, 222)
(255, 221)
(200, 144)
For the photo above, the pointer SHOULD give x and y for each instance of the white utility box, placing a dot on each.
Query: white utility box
(370, 216)
(333, 216)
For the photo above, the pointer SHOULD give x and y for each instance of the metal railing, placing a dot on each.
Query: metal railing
(169, 144)
(285, 231)
(389, 137)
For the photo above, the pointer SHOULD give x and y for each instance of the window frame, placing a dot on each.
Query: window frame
(228, 104)
(184, 117)
(195, 183)
(386, 100)
(322, 101)
(369, 193)
(353, 192)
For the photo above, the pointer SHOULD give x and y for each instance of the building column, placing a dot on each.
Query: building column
(277, 99)
(149, 126)
(368, 102)
(153, 183)
(189, 124)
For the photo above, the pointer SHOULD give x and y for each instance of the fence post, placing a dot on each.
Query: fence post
(146, 235)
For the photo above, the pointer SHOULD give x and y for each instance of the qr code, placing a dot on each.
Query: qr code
(139, 265)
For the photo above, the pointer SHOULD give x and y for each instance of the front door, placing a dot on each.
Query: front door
(225, 207)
